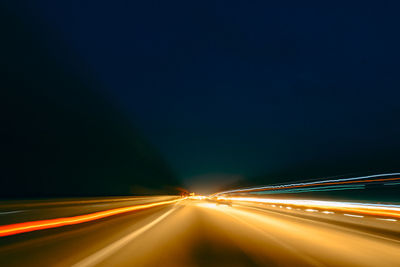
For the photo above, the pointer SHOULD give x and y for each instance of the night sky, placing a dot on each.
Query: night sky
(228, 90)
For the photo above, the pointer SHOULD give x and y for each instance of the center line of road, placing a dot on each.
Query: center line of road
(105, 252)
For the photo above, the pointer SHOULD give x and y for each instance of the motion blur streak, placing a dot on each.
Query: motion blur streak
(69, 202)
(107, 251)
(311, 243)
(368, 209)
(24, 227)
(354, 180)
(201, 231)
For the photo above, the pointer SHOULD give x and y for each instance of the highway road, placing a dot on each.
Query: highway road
(194, 232)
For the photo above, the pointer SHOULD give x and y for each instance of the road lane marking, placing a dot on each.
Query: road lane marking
(353, 215)
(387, 219)
(11, 212)
(311, 210)
(328, 212)
(105, 252)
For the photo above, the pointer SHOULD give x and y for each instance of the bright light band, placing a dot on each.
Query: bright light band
(18, 228)
(378, 178)
(363, 208)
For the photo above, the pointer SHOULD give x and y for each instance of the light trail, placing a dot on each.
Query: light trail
(343, 181)
(312, 189)
(39, 203)
(379, 210)
(18, 228)
(251, 233)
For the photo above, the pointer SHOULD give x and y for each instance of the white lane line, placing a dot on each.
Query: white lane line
(311, 210)
(353, 215)
(328, 212)
(389, 220)
(11, 212)
(105, 252)
(289, 208)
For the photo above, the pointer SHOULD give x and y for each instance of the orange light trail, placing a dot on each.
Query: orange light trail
(18, 228)
(366, 209)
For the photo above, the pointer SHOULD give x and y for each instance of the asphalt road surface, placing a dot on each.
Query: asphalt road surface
(197, 233)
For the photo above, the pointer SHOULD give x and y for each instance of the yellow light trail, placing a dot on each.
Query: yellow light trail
(361, 208)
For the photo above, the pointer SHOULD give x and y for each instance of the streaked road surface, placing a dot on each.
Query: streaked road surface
(197, 232)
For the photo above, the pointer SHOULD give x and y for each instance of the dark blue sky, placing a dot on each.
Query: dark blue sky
(244, 88)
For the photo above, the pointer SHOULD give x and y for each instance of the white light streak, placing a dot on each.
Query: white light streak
(387, 219)
(353, 215)
(311, 210)
(307, 183)
(328, 212)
